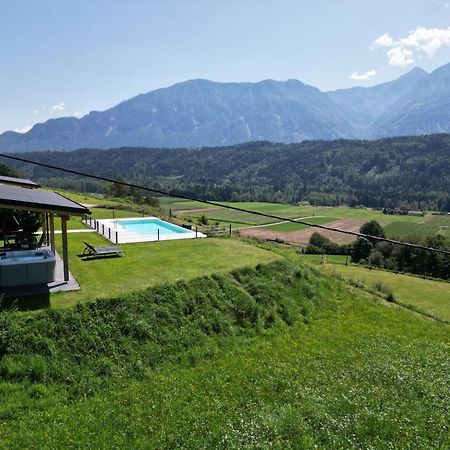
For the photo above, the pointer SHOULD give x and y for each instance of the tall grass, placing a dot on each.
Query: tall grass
(132, 334)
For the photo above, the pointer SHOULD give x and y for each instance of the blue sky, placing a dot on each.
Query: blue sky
(65, 57)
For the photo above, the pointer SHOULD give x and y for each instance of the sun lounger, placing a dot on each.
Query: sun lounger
(106, 250)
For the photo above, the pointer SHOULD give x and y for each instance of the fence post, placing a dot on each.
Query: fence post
(109, 235)
(103, 229)
(117, 237)
(96, 225)
(158, 234)
(196, 231)
(230, 229)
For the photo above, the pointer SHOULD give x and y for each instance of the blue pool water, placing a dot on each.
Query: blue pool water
(151, 226)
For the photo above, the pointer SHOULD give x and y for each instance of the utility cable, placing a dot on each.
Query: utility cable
(234, 208)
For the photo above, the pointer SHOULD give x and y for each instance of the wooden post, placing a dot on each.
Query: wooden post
(230, 229)
(47, 228)
(158, 234)
(52, 233)
(44, 228)
(65, 248)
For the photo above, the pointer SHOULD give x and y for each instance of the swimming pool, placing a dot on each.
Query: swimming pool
(147, 229)
(150, 226)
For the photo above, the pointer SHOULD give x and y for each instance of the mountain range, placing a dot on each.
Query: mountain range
(200, 113)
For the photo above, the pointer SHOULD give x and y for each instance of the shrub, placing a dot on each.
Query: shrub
(383, 288)
(375, 259)
(361, 249)
(390, 297)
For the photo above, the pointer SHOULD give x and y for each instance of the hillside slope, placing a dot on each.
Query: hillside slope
(278, 356)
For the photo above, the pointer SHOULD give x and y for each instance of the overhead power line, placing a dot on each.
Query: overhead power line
(234, 208)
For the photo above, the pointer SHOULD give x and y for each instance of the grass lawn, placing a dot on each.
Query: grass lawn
(176, 204)
(147, 264)
(200, 365)
(289, 226)
(430, 224)
(430, 296)
(330, 259)
(75, 223)
(427, 224)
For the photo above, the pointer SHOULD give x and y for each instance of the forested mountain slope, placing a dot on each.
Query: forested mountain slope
(414, 171)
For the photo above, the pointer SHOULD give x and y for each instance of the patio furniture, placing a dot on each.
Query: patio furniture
(106, 250)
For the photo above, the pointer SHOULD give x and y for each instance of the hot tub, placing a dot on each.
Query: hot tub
(23, 267)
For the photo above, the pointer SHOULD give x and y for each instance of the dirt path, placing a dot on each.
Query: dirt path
(302, 236)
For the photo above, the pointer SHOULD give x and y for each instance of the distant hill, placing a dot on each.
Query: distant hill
(410, 171)
(201, 113)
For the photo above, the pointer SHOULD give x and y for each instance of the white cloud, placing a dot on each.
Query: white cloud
(427, 39)
(383, 41)
(418, 42)
(35, 111)
(24, 129)
(363, 76)
(78, 114)
(400, 56)
(57, 109)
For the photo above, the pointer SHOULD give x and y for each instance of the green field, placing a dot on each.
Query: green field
(281, 356)
(432, 297)
(150, 263)
(289, 226)
(395, 225)
(430, 224)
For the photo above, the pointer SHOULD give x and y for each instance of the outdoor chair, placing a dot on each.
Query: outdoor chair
(106, 250)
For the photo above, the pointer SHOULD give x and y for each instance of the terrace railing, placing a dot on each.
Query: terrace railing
(101, 228)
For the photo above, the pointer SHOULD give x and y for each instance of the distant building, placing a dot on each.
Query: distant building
(416, 213)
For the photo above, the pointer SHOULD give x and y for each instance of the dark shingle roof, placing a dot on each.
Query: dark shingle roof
(18, 182)
(38, 199)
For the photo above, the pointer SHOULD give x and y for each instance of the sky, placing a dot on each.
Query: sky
(63, 58)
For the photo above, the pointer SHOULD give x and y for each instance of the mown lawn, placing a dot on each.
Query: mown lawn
(347, 372)
(430, 296)
(146, 264)
(427, 225)
(289, 226)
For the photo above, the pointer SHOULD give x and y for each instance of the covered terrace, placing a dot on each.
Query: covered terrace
(23, 195)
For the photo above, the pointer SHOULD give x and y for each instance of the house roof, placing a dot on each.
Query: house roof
(18, 182)
(13, 197)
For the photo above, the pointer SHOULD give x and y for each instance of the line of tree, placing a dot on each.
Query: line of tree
(136, 195)
(404, 172)
(374, 253)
